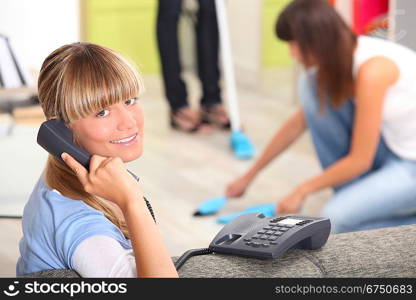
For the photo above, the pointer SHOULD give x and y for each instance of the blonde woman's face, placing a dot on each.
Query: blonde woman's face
(116, 131)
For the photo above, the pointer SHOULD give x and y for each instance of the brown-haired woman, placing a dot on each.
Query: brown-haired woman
(358, 101)
(94, 222)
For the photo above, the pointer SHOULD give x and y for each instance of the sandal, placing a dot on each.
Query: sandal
(186, 120)
(217, 115)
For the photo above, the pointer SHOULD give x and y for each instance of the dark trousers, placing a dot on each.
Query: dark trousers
(207, 52)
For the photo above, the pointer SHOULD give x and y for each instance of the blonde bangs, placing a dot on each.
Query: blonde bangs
(93, 81)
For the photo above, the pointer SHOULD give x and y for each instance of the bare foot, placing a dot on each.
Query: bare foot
(188, 120)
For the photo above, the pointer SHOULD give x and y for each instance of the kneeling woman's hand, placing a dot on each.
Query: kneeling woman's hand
(291, 203)
(107, 178)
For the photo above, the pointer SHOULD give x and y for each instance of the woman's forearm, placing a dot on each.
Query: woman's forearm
(152, 257)
(282, 139)
(340, 172)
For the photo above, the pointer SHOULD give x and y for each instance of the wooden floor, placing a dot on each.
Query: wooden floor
(179, 170)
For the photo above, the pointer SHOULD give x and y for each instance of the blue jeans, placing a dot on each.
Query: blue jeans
(383, 196)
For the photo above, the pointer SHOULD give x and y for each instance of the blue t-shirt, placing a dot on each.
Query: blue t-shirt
(54, 225)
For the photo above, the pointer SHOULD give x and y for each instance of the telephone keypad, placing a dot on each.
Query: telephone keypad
(304, 222)
(268, 235)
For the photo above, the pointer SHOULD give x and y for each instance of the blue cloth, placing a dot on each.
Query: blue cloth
(53, 226)
(268, 210)
(383, 196)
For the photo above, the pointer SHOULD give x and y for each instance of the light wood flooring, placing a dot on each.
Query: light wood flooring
(180, 170)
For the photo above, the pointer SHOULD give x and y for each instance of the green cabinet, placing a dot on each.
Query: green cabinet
(128, 26)
(274, 53)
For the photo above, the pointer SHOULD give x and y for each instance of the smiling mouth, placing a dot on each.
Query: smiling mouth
(125, 140)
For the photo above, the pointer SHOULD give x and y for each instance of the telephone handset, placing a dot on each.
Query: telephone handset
(56, 138)
(254, 235)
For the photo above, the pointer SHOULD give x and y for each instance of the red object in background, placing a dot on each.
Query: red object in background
(365, 11)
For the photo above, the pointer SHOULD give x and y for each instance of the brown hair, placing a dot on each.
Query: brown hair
(76, 80)
(326, 41)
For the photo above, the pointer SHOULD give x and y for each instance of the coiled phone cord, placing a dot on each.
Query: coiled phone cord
(188, 254)
(149, 207)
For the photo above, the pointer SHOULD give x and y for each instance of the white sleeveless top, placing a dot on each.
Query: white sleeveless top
(399, 111)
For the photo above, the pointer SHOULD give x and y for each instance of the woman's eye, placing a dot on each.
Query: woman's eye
(103, 113)
(131, 101)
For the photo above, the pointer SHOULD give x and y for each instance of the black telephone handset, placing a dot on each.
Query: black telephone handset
(254, 235)
(56, 138)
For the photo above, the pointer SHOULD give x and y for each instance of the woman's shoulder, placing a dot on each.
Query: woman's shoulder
(47, 206)
(368, 41)
(369, 46)
(49, 210)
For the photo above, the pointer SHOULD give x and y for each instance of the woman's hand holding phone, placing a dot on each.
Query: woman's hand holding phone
(107, 178)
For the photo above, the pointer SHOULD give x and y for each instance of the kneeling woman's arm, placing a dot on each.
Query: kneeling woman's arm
(109, 179)
(373, 80)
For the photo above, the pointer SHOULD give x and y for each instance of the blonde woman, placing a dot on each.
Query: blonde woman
(94, 222)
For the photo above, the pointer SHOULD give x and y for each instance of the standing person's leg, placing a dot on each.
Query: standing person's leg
(385, 197)
(208, 69)
(207, 50)
(182, 117)
(167, 38)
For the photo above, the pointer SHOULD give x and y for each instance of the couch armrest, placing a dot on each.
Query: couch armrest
(386, 252)
(53, 274)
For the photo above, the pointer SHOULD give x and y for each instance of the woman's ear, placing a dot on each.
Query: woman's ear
(295, 51)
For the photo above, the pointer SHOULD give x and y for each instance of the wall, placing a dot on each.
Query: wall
(38, 27)
(245, 35)
(127, 26)
(403, 22)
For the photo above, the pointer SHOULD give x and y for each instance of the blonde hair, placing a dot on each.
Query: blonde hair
(75, 81)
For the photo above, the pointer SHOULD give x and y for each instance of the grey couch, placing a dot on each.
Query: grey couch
(387, 252)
